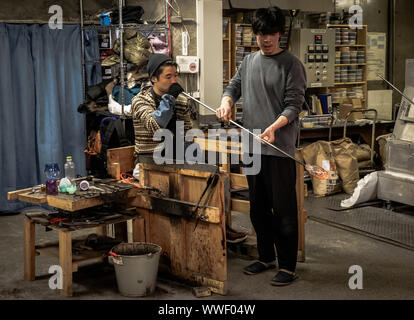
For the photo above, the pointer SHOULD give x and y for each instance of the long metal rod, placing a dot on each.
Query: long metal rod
(83, 52)
(396, 89)
(248, 131)
(121, 55)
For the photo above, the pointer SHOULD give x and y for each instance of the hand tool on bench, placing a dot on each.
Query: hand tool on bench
(126, 177)
(56, 220)
(211, 183)
(313, 170)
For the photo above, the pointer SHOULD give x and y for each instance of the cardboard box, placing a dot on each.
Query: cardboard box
(381, 100)
(346, 105)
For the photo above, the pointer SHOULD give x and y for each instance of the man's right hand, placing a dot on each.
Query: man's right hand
(224, 111)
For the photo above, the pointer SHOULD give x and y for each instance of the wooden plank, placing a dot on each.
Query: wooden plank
(29, 249)
(114, 170)
(225, 192)
(192, 187)
(121, 231)
(238, 180)
(218, 287)
(36, 198)
(141, 200)
(154, 167)
(68, 203)
(65, 260)
(159, 180)
(124, 156)
(73, 205)
(12, 195)
(206, 245)
(138, 229)
(219, 145)
(240, 205)
(101, 231)
(200, 292)
(174, 207)
(193, 255)
(194, 173)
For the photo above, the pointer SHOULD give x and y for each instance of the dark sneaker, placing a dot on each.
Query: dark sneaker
(257, 267)
(283, 278)
(234, 237)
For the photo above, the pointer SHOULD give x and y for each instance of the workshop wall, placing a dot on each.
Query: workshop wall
(403, 44)
(378, 15)
(381, 16)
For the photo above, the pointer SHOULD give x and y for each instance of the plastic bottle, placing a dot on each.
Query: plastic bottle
(70, 168)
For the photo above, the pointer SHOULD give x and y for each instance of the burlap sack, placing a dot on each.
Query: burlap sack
(364, 164)
(344, 152)
(137, 48)
(320, 153)
(363, 152)
(382, 142)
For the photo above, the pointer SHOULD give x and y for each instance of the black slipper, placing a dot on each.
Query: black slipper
(283, 278)
(257, 267)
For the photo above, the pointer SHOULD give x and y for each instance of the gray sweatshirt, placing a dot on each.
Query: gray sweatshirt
(270, 86)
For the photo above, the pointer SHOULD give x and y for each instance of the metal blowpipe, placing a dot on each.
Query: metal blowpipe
(396, 89)
(314, 170)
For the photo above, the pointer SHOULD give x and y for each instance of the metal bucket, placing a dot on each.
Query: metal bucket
(136, 267)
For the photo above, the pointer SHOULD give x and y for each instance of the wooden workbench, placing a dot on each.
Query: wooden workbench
(196, 255)
(63, 248)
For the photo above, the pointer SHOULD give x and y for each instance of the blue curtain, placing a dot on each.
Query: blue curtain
(40, 90)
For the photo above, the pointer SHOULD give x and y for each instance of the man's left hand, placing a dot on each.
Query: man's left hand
(268, 135)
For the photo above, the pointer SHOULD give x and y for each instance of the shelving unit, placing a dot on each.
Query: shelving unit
(93, 119)
(226, 51)
(242, 39)
(146, 30)
(243, 42)
(359, 45)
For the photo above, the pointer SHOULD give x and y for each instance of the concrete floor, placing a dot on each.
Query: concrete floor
(387, 271)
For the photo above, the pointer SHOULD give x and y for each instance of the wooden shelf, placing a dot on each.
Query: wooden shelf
(349, 83)
(247, 45)
(343, 26)
(361, 44)
(227, 39)
(350, 45)
(350, 64)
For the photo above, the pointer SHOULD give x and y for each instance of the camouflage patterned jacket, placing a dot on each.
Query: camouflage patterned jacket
(142, 107)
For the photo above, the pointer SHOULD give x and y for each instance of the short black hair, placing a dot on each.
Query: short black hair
(268, 21)
(160, 69)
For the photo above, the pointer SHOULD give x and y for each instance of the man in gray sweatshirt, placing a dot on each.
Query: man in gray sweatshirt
(272, 82)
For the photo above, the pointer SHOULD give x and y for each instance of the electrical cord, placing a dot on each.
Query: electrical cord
(125, 177)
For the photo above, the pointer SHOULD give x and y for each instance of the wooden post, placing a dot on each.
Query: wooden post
(29, 250)
(101, 231)
(138, 229)
(65, 260)
(121, 231)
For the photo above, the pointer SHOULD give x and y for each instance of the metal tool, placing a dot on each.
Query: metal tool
(313, 170)
(37, 189)
(211, 183)
(396, 89)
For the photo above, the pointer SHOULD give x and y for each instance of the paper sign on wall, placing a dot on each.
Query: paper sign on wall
(376, 54)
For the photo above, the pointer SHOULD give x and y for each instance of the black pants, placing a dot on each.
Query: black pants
(273, 210)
